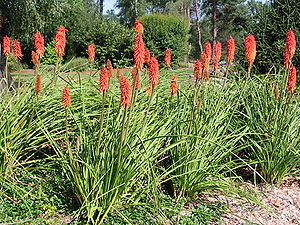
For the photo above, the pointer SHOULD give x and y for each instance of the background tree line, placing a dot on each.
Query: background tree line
(206, 20)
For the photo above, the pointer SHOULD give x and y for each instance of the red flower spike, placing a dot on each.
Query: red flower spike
(250, 45)
(38, 84)
(35, 58)
(66, 98)
(154, 71)
(60, 41)
(137, 77)
(139, 28)
(198, 67)
(6, 45)
(139, 52)
(217, 55)
(92, 52)
(168, 57)
(292, 79)
(230, 50)
(104, 80)
(205, 62)
(17, 50)
(174, 85)
(119, 73)
(109, 68)
(290, 48)
(126, 92)
(147, 56)
(208, 51)
(39, 44)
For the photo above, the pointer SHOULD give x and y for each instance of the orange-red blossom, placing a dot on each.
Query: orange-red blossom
(174, 85)
(91, 52)
(66, 97)
(39, 44)
(126, 92)
(292, 79)
(60, 41)
(290, 48)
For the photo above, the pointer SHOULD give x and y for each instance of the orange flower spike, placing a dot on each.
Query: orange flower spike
(109, 68)
(35, 58)
(119, 73)
(139, 28)
(168, 57)
(205, 61)
(137, 77)
(6, 45)
(38, 84)
(139, 52)
(208, 51)
(250, 45)
(17, 50)
(230, 50)
(198, 67)
(66, 98)
(104, 80)
(217, 55)
(60, 41)
(147, 56)
(39, 44)
(290, 48)
(174, 85)
(91, 52)
(154, 71)
(126, 92)
(292, 79)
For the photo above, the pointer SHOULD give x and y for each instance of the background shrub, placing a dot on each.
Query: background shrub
(166, 31)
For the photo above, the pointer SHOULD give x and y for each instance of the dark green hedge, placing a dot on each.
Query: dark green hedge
(166, 31)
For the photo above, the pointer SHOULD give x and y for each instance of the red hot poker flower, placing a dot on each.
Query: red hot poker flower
(38, 84)
(109, 68)
(119, 73)
(174, 85)
(35, 58)
(6, 45)
(230, 50)
(154, 71)
(39, 44)
(292, 79)
(66, 98)
(250, 45)
(198, 67)
(139, 52)
(139, 28)
(60, 41)
(147, 56)
(208, 51)
(126, 92)
(136, 77)
(217, 55)
(17, 50)
(290, 48)
(205, 61)
(91, 52)
(168, 57)
(104, 80)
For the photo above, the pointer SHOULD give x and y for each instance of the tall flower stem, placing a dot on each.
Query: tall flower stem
(101, 122)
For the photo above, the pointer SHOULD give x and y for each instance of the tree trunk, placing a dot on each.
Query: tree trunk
(197, 7)
(100, 4)
(214, 23)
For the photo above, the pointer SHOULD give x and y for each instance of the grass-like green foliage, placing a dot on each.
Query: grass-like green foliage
(166, 31)
(113, 157)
